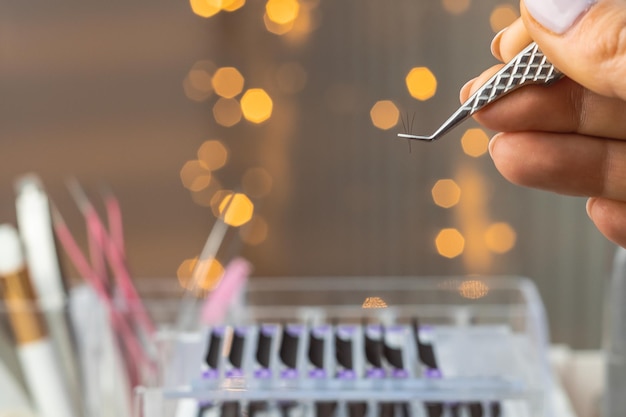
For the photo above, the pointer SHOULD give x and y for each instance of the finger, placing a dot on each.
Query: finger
(568, 164)
(510, 41)
(587, 43)
(563, 107)
(609, 216)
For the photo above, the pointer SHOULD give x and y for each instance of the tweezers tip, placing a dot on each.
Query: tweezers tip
(415, 137)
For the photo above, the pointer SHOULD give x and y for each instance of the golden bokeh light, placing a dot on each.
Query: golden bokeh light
(213, 154)
(282, 11)
(500, 237)
(502, 16)
(232, 5)
(421, 83)
(456, 6)
(475, 142)
(450, 243)
(384, 114)
(257, 182)
(227, 111)
(212, 271)
(255, 231)
(227, 82)
(291, 77)
(205, 8)
(374, 302)
(277, 28)
(236, 209)
(446, 193)
(195, 176)
(473, 289)
(256, 105)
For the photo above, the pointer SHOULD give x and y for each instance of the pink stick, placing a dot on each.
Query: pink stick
(116, 226)
(128, 338)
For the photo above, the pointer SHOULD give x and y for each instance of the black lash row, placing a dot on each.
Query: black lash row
(339, 352)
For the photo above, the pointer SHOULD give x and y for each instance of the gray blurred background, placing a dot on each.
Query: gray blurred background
(119, 92)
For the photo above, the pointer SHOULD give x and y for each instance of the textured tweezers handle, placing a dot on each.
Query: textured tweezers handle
(529, 67)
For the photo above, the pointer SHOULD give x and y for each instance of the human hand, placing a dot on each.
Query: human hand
(570, 137)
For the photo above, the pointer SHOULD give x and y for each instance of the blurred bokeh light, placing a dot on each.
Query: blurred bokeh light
(232, 5)
(277, 28)
(502, 16)
(256, 105)
(450, 243)
(227, 111)
(236, 209)
(500, 237)
(213, 271)
(475, 142)
(421, 83)
(213, 154)
(282, 11)
(384, 114)
(456, 6)
(374, 302)
(195, 176)
(446, 193)
(473, 289)
(227, 82)
(205, 8)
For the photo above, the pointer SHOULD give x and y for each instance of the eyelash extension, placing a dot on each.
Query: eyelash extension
(407, 127)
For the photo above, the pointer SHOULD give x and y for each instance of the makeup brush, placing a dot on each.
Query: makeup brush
(34, 348)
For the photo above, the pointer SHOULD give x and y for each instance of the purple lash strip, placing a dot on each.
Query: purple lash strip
(376, 373)
(317, 373)
(263, 373)
(346, 374)
(289, 373)
(234, 373)
(210, 374)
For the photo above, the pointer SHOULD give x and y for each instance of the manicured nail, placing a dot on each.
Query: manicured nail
(495, 45)
(492, 143)
(557, 15)
(590, 202)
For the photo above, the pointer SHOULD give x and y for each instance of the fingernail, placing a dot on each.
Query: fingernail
(590, 202)
(557, 15)
(495, 45)
(492, 143)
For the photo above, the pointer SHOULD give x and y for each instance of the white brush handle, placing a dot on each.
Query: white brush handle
(44, 379)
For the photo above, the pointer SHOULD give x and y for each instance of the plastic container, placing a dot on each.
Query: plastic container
(488, 336)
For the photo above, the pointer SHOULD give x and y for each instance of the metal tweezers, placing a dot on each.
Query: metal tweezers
(529, 67)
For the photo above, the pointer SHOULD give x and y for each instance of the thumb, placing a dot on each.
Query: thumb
(585, 39)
